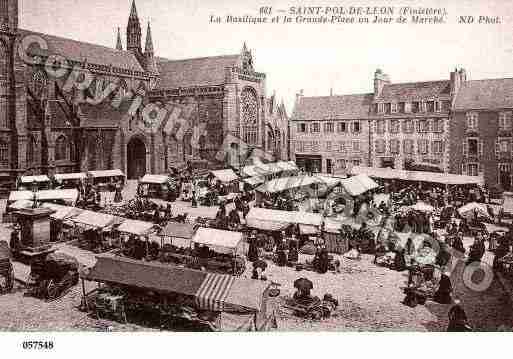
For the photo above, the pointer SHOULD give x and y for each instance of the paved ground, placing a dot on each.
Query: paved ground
(370, 300)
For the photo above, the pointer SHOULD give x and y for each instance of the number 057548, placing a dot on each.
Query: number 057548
(37, 345)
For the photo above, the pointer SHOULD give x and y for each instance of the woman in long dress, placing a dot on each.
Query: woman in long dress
(443, 294)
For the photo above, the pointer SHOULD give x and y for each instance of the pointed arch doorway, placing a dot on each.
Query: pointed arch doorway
(136, 158)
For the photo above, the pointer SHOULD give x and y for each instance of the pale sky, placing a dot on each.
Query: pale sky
(313, 57)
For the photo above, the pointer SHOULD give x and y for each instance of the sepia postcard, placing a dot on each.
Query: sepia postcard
(184, 166)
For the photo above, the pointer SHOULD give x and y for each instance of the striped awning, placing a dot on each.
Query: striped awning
(213, 292)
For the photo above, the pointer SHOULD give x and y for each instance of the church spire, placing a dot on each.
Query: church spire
(133, 32)
(119, 44)
(148, 50)
(133, 11)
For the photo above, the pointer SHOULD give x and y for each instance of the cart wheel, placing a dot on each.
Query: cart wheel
(52, 291)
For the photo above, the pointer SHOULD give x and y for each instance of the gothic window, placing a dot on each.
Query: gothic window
(3, 60)
(38, 84)
(31, 149)
(249, 114)
(4, 153)
(61, 148)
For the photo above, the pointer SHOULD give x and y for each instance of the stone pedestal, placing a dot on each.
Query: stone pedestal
(35, 229)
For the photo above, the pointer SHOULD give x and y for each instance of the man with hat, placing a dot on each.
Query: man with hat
(253, 248)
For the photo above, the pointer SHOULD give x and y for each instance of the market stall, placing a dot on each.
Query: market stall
(358, 185)
(107, 179)
(95, 229)
(134, 239)
(473, 210)
(177, 234)
(252, 182)
(69, 180)
(201, 298)
(219, 250)
(25, 199)
(227, 178)
(58, 196)
(39, 182)
(156, 186)
(61, 228)
(277, 221)
(334, 241)
(417, 176)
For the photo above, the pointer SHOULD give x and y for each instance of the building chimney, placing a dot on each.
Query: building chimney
(299, 95)
(455, 78)
(380, 80)
(331, 91)
(463, 76)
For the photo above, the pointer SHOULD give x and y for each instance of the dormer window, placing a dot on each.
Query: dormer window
(415, 107)
(401, 107)
(430, 106)
(388, 108)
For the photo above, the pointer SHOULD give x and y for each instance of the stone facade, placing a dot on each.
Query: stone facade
(400, 125)
(50, 124)
(410, 123)
(330, 134)
(481, 129)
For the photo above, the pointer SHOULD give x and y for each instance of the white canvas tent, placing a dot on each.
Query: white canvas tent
(220, 241)
(225, 176)
(155, 179)
(276, 220)
(139, 228)
(69, 176)
(418, 176)
(31, 179)
(106, 173)
(470, 209)
(358, 185)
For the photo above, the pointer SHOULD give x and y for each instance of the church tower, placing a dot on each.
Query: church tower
(149, 55)
(133, 32)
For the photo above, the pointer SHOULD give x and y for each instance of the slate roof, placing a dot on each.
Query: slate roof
(333, 107)
(204, 71)
(103, 115)
(414, 90)
(485, 94)
(78, 51)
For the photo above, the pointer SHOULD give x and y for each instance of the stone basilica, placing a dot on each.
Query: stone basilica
(49, 127)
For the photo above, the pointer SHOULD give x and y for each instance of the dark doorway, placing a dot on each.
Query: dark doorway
(136, 159)
(310, 163)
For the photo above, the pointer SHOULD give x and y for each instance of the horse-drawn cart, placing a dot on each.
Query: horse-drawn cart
(53, 276)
